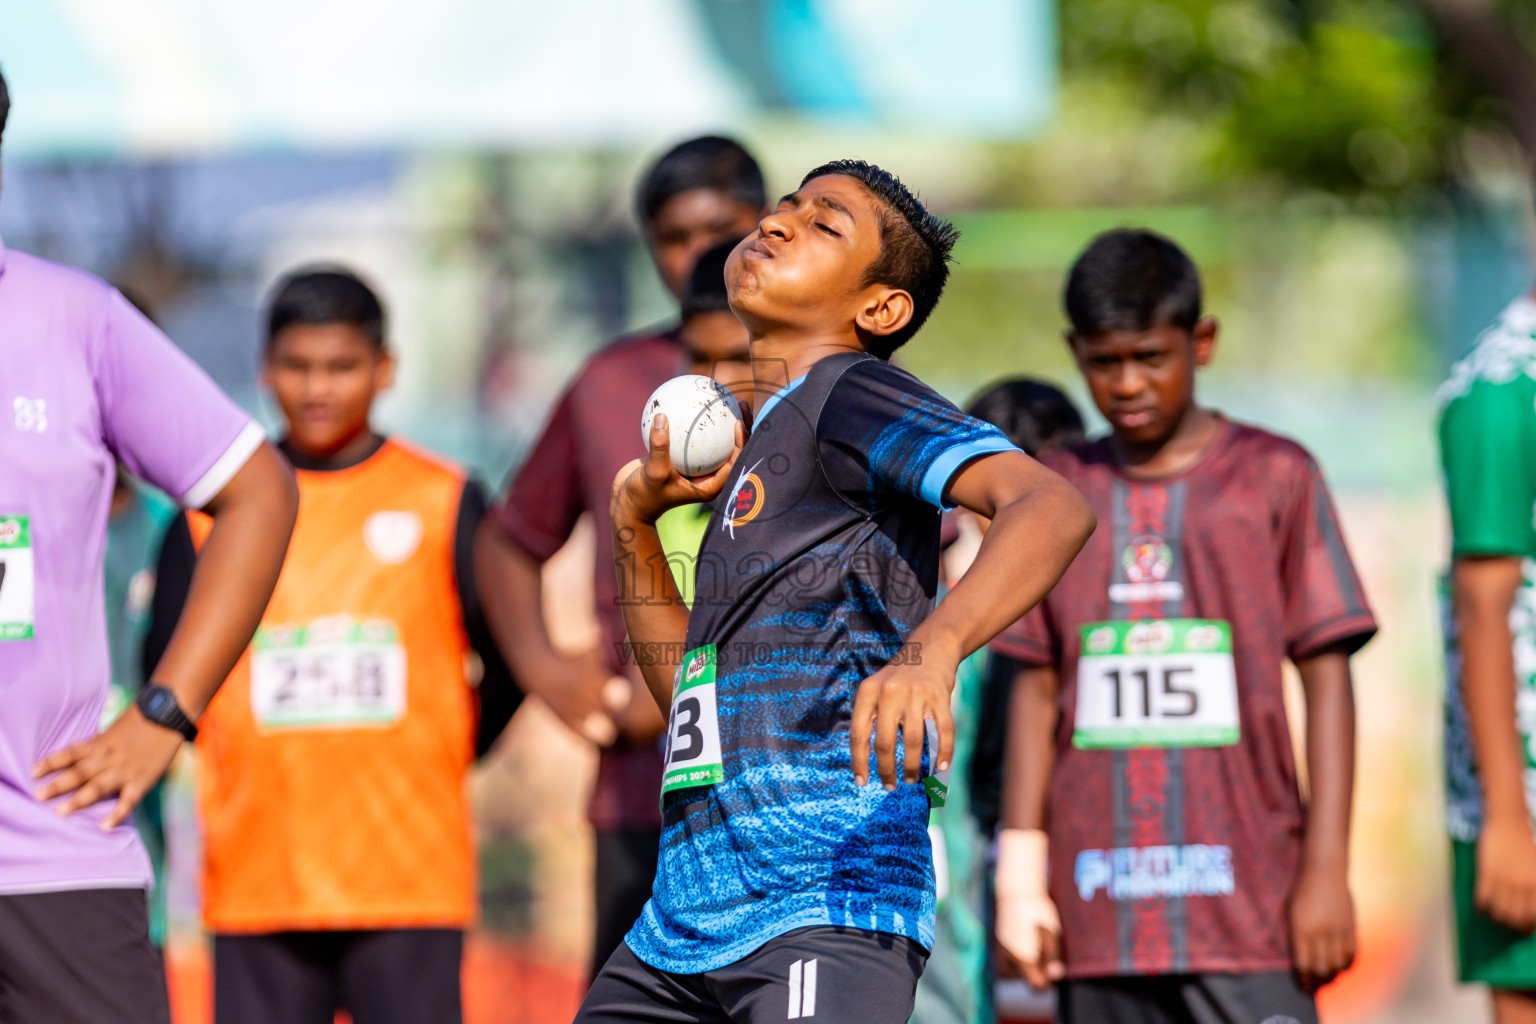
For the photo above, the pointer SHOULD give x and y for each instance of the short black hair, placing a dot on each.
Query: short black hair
(914, 245)
(709, 161)
(705, 291)
(1131, 279)
(325, 295)
(1034, 414)
(5, 103)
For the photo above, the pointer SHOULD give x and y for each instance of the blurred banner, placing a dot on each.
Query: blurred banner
(173, 77)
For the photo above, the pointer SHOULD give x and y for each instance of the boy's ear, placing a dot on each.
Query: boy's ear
(1204, 338)
(1074, 345)
(384, 372)
(885, 311)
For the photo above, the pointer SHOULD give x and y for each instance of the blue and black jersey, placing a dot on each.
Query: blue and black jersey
(820, 559)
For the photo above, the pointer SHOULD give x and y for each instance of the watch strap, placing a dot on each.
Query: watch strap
(158, 704)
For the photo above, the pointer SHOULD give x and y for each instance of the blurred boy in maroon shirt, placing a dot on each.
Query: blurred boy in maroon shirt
(702, 192)
(1187, 880)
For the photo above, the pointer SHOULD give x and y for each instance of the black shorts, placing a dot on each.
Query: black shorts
(388, 976)
(839, 975)
(1266, 998)
(80, 957)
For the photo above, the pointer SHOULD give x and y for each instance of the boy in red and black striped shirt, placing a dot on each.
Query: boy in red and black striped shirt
(1150, 766)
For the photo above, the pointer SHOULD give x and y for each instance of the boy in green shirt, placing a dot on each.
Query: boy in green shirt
(1488, 450)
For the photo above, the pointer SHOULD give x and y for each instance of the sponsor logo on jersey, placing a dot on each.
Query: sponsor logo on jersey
(749, 500)
(746, 499)
(31, 414)
(1147, 562)
(392, 536)
(1155, 872)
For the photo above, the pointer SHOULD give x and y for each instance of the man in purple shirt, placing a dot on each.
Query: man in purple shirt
(85, 380)
(700, 193)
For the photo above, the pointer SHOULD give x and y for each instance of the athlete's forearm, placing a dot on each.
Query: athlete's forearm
(511, 591)
(655, 617)
(1039, 523)
(237, 569)
(1030, 752)
(1483, 591)
(1330, 757)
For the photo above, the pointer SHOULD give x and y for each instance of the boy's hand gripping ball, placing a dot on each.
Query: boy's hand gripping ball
(701, 420)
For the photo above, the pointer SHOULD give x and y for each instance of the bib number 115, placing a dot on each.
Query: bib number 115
(1178, 686)
(1162, 683)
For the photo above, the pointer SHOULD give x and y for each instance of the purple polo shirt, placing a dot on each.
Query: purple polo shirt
(83, 378)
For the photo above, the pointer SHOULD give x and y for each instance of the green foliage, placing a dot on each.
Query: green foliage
(1346, 97)
(1354, 110)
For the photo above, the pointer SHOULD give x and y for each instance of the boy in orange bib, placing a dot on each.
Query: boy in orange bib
(339, 867)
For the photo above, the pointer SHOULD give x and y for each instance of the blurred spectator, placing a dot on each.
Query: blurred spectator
(1488, 450)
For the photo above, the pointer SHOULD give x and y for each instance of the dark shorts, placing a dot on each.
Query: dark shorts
(839, 975)
(389, 976)
(1267, 998)
(80, 957)
(624, 871)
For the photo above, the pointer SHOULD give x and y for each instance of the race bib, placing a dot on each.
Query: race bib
(17, 585)
(333, 673)
(693, 736)
(1163, 683)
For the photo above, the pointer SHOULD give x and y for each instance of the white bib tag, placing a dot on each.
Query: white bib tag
(693, 734)
(1163, 683)
(17, 584)
(333, 673)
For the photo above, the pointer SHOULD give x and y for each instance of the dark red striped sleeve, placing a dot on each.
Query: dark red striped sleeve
(1325, 604)
(1029, 640)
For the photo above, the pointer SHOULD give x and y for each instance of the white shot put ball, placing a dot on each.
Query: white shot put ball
(701, 419)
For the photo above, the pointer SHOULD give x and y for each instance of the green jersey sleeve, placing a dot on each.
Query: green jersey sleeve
(1488, 452)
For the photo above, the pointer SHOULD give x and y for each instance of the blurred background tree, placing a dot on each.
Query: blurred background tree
(1254, 99)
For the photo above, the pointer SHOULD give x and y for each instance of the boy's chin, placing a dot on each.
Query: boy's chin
(1153, 435)
(321, 445)
(750, 306)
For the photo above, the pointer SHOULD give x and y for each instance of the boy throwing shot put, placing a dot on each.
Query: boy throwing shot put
(699, 194)
(788, 888)
(1149, 759)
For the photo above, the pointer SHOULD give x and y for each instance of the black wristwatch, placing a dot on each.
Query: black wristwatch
(158, 704)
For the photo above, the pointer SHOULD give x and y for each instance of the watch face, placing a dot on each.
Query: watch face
(159, 702)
